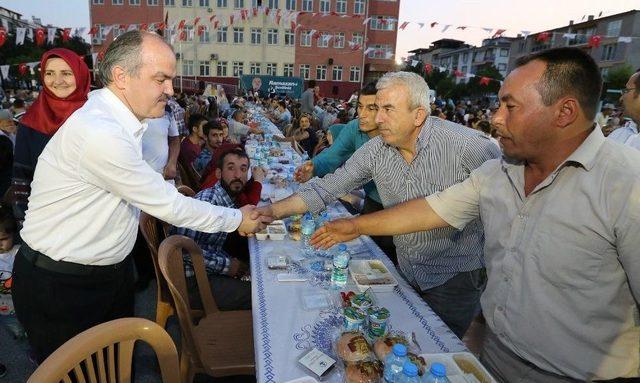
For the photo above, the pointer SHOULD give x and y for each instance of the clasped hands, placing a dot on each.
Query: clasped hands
(253, 220)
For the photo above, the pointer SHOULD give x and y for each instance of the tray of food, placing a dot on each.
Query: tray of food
(277, 230)
(461, 367)
(373, 274)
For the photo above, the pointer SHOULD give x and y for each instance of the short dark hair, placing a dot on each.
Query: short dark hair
(18, 103)
(7, 220)
(569, 71)
(282, 104)
(195, 120)
(211, 125)
(485, 126)
(235, 151)
(369, 89)
(312, 83)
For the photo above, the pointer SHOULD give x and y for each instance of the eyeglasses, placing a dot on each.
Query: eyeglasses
(626, 90)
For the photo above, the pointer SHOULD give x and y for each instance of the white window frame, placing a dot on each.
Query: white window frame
(377, 24)
(307, 5)
(238, 35)
(341, 6)
(205, 3)
(354, 74)
(204, 38)
(238, 68)
(357, 38)
(358, 7)
(255, 68)
(238, 4)
(305, 39)
(187, 3)
(287, 70)
(336, 73)
(325, 6)
(221, 68)
(188, 30)
(256, 36)
(290, 5)
(98, 2)
(222, 3)
(117, 2)
(153, 3)
(272, 69)
(273, 4)
(338, 40)
(187, 67)
(321, 41)
(169, 3)
(305, 71)
(272, 36)
(222, 35)
(614, 27)
(321, 72)
(289, 38)
(205, 68)
(135, 3)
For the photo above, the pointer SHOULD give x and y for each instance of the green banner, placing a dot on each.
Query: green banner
(265, 85)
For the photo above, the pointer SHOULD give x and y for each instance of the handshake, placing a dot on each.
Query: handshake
(254, 219)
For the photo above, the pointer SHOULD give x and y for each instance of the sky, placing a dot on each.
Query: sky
(512, 15)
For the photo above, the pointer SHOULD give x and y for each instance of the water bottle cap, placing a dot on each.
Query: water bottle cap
(307, 215)
(399, 349)
(438, 369)
(410, 369)
(342, 247)
(324, 214)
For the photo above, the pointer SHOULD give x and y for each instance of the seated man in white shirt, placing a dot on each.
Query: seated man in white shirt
(238, 130)
(73, 270)
(161, 145)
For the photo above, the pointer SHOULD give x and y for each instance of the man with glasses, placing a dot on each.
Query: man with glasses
(630, 99)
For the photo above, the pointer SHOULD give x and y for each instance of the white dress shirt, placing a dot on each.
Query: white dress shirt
(155, 141)
(91, 183)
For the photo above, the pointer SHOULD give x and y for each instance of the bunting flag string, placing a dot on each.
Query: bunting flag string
(428, 68)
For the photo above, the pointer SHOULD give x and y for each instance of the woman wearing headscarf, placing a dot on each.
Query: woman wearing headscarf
(66, 81)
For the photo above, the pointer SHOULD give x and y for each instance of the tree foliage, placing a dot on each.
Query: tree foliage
(618, 77)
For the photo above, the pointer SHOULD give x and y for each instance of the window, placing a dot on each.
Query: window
(98, 2)
(290, 5)
(99, 36)
(354, 74)
(338, 40)
(169, 3)
(273, 4)
(256, 36)
(307, 5)
(221, 3)
(238, 4)
(188, 30)
(203, 32)
(254, 68)
(256, 3)
(288, 70)
(358, 7)
(187, 67)
(153, 3)
(357, 38)
(379, 51)
(504, 53)
(604, 72)
(221, 69)
(222, 35)
(117, 31)
(238, 35)
(117, 2)
(608, 52)
(383, 23)
(289, 37)
(238, 68)
(187, 3)
(502, 67)
(272, 36)
(305, 70)
(204, 68)
(272, 69)
(205, 3)
(337, 73)
(323, 40)
(305, 38)
(325, 6)
(134, 2)
(341, 6)
(613, 28)
(321, 72)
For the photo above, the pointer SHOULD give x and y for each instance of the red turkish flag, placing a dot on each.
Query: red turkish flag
(457, 73)
(293, 25)
(255, 12)
(144, 26)
(484, 81)
(594, 41)
(181, 24)
(101, 55)
(66, 34)
(231, 19)
(40, 36)
(215, 24)
(543, 37)
(211, 18)
(404, 25)
(278, 17)
(124, 27)
(23, 69)
(161, 26)
(3, 36)
(428, 68)
(315, 35)
(200, 30)
(196, 21)
(93, 31)
(499, 33)
(183, 35)
(266, 11)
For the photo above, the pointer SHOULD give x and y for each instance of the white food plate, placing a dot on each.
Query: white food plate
(373, 274)
(462, 367)
(277, 230)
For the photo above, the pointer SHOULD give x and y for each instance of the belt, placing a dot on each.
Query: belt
(41, 261)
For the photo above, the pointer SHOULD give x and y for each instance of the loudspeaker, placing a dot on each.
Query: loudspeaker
(330, 61)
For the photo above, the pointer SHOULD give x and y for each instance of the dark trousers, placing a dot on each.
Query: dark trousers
(457, 301)
(385, 243)
(229, 293)
(55, 306)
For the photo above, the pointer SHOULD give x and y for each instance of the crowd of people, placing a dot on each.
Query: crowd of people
(529, 215)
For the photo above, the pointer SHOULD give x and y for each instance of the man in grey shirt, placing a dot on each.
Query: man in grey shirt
(306, 102)
(560, 213)
(413, 156)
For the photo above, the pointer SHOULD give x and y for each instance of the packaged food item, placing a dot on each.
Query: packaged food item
(363, 372)
(382, 347)
(277, 230)
(362, 301)
(354, 319)
(418, 361)
(353, 347)
(317, 362)
(278, 262)
(262, 235)
(378, 321)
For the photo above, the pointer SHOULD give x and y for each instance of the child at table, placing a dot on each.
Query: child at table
(8, 250)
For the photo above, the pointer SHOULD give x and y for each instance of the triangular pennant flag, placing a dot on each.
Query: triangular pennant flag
(30, 34)
(94, 58)
(144, 26)
(20, 34)
(569, 36)
(499, 33)
(106, 29)
(488, 30)
(161, 26)
(293, 25)
(594, 41)
(196, 21)
(421, 25)
(32, 65)
(434, 24)
(66, 34)
(368, 50)
(404, 25)
(624, 39)
(461, 27)
(51, 34)
(366, 21)
(201, 29)
(23, 69)
(484, 81)
(428, 68)
(414, 62)
(267, 10)
(132, 27)
(445, 28)
(525, 33)
(3, 36)
(4, 70)
(93, 31)
(255, 11)
(124, 26)
(181, 24)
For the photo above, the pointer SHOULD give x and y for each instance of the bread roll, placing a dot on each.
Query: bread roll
(363, 372)
(353, 347)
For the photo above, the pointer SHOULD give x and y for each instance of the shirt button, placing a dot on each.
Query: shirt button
(500, 308)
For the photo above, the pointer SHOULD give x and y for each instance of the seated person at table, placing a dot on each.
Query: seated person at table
(301, 134)
(238, 130)
(223, 269)
(282, 117)
(191, 145)
(213, 134)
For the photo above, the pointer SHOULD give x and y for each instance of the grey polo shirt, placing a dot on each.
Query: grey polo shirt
(564, 262)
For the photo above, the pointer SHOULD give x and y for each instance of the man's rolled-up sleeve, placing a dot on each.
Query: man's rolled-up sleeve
(458, 204)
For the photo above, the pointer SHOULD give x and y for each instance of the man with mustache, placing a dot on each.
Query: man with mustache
(223, 269)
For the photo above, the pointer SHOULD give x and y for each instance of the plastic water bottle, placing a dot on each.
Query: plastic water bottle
(321, 219)
(307, 228)
(437, 374)
(340, 267)
(394, 361)
(409, 374)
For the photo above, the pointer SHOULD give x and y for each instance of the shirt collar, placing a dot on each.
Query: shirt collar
(425, 134)
(122, 113)
(219, 190)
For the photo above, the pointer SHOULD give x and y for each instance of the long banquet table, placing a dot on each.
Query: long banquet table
(283, 330)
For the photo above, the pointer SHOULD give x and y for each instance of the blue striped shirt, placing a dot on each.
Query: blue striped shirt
(216, 260)
(446, 153)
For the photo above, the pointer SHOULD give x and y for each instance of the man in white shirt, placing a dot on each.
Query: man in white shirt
(237, 129)
(73, 270)
(631, 101)
(161, 145)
